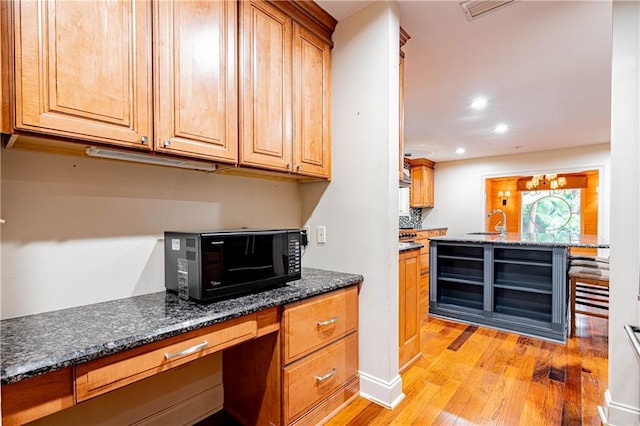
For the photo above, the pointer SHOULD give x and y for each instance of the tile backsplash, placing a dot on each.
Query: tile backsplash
(414, 220)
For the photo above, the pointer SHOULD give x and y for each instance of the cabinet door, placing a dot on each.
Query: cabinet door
(83, 69)
(422, 186)
(195, 79)
(311, 103)
(409, 321)
(427, 187)
(265, 86)
(417, 176)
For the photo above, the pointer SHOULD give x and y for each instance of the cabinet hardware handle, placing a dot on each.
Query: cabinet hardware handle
(289, 166)
(328, 322)
(167, 143)
(332, 373)
(144, 140)
(298, 167)
(2, 221)
(187, 351)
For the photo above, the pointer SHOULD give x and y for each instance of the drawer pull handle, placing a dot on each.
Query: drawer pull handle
(327, 322)
(187, 351)
(332, 373)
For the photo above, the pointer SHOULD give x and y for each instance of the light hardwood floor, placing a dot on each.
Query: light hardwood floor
(475, 375)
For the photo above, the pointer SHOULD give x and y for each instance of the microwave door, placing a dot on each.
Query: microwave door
(248, 258)
(212, 264)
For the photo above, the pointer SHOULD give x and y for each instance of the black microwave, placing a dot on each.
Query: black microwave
(216, 265)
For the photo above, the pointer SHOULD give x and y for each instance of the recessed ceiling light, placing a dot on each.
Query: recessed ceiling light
(479, 103)
(501, 128)
(460, 151)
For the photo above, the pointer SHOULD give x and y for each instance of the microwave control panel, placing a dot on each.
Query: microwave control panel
(294, 253)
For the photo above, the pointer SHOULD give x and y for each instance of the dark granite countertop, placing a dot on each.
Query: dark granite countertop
(514, 238)
(409, 246)
(40, 343)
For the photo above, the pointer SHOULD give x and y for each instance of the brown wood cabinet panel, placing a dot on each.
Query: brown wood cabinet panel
(83, 70)
(409, 307)
(422, 194)
(253, 392)
(265, 86)
(311, 324)
(311, 104)
(195, 79)
(31, 399)
(319, 375)
(104, 374)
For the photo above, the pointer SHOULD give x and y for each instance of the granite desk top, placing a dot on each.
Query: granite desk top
(514, 238)
(41, 343)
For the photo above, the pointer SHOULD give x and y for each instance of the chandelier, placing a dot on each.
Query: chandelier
(546, 182)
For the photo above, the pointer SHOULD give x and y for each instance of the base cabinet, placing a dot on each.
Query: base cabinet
(409, 308)
(422, 237)
(312, 368)
(516, 288)
(320, 356)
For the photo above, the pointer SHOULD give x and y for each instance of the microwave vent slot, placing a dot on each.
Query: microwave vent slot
(191, 255)
(191, 242)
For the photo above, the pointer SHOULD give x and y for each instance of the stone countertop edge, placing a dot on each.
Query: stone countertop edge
(541, 240)
(37, 344)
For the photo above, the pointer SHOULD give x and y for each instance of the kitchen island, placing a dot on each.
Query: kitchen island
(513, 282)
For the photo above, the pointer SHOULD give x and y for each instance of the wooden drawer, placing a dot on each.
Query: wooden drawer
(314, 378)
(311, 324)
(105, 374)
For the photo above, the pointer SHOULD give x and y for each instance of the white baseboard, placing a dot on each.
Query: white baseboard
(620, 414)
(388, 394)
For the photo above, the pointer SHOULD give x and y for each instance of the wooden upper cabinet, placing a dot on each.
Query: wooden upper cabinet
(311, 104)
(265, 86)
(195, 79)
(83, 70)
(422, 193)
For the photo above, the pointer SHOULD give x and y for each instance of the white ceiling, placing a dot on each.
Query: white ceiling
(545, 67)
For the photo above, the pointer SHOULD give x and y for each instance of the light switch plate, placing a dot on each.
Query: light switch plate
(321, 234)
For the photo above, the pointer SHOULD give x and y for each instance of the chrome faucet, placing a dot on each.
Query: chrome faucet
(501, 225)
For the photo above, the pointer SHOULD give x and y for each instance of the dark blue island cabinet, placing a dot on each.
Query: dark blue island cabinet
(517, 288)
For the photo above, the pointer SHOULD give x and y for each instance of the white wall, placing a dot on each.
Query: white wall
(624, 365)
(82, 230)
(460, 192)
(360, 206)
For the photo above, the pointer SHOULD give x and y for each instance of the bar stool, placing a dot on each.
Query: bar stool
(589, 287)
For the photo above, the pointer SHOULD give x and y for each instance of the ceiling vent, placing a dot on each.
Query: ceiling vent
(476, 8)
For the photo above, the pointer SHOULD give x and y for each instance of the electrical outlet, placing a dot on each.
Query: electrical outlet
(321, 234)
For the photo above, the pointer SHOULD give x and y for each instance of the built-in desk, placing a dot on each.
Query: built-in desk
(54, 360)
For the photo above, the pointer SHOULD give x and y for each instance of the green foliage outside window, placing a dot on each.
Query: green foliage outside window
(551, 211)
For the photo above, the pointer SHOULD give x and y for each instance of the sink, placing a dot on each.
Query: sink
(483, 233)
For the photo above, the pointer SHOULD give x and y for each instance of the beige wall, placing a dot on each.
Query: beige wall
(84, 230)
(460, 196)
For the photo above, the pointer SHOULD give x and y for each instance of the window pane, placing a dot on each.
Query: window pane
(551, 211)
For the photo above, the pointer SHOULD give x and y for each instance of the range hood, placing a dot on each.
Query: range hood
(406, 178)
